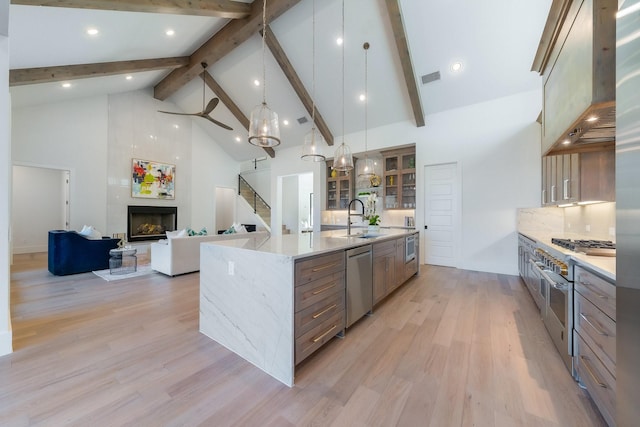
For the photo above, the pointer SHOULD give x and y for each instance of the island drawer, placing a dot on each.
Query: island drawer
(598, 331)
(311, 293)
(312, 340)
(600, 384)
(308, 270)
(317, 313)
(599, 291)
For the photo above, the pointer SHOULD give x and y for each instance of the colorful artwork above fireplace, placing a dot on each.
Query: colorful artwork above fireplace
(152, 180)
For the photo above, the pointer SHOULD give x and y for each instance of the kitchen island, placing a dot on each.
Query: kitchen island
(251, 289)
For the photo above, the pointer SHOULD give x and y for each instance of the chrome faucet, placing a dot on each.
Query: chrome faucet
(349, 214)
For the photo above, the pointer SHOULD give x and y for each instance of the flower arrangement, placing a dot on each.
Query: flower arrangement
(370, 210)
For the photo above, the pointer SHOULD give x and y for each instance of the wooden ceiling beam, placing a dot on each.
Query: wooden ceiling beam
(400, 35)
(232, 106)
(218, 8)
(221, 43)
(296, 83)
(28, 76)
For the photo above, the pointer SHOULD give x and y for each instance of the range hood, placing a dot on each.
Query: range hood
(594, 129)
(576, 58)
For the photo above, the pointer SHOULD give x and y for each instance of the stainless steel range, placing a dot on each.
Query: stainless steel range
(554, 270)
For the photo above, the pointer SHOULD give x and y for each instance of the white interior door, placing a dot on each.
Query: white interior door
(442, 214)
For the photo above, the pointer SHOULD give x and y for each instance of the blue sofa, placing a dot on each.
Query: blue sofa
(72, 253)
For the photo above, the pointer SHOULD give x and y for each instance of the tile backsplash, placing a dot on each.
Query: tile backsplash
(597, 221)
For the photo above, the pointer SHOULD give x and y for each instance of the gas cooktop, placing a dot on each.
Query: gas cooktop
(589, 247)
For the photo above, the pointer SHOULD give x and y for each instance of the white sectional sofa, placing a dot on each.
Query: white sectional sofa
(181, 255)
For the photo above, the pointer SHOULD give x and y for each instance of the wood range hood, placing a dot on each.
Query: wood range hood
(576, 58)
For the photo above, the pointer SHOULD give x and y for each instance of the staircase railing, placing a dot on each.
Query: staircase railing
(259, 205)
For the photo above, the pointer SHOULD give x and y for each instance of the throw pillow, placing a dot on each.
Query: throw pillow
(90, 233)
(176, 233)
(202, 232)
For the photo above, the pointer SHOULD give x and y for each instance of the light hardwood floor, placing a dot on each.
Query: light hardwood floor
(449, 348)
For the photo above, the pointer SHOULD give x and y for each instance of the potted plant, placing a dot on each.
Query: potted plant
(370, 213)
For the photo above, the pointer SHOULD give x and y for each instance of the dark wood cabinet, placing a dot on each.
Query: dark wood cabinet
(399, 180)
(578, 177)
(340, 188)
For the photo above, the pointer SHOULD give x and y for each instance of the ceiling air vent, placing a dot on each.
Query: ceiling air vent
(302, 120)
(431, 77)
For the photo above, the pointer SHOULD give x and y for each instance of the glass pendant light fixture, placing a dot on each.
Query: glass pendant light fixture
(264, 129)
(366, 171)
(343, 159)
(313, 140)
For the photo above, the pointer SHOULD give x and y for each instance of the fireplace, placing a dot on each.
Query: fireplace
(150, 222)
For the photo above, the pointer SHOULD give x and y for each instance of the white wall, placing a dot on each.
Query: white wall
(497, 145)
(37, 206)
(211, 167)
(69, 135)
(5, 178)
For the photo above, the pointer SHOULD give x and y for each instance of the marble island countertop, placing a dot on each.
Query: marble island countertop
(311, 244)
(604, 265)
(248, 292)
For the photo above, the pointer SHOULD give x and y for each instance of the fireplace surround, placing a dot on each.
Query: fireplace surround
(150, 222)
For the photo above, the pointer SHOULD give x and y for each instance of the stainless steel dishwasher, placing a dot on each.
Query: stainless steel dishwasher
(359, 283)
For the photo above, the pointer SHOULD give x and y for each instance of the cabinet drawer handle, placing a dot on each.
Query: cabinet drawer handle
(324, 267)
(315, 316)
(591, 288)
(324, 334)
(565, 190)
(326, 288)
(593, 325)
(585, 362)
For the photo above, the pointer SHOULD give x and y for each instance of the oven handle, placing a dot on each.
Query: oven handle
(552, 283)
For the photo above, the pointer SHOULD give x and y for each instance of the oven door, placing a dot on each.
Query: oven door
(558, 316)
(409, 248)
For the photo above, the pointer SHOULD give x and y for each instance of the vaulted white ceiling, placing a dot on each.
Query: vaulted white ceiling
(495, 40)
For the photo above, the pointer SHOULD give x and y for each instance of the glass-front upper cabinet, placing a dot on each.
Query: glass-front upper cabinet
(400, 178)
(339, 188)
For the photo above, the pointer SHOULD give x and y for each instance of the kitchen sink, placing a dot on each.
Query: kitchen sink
(362, 235)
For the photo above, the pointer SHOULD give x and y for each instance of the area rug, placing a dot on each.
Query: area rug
(143, 270)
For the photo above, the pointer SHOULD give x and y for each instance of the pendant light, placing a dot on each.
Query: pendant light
(313, 140)
(343, 159)
(264, 129)
(366, 170)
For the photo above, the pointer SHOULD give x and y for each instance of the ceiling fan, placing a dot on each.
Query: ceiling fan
(206, 110)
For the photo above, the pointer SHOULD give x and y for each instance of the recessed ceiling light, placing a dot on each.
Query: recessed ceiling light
(176, 126)
(177, 157)
(170, 32)
(339, 41)
(362, 97)
(66, 85)
(566, 142)
(256, 82)
(238, 139)
(592, 119)
(129, 77)
(456, 66)
(92, 31)
(285, 122)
